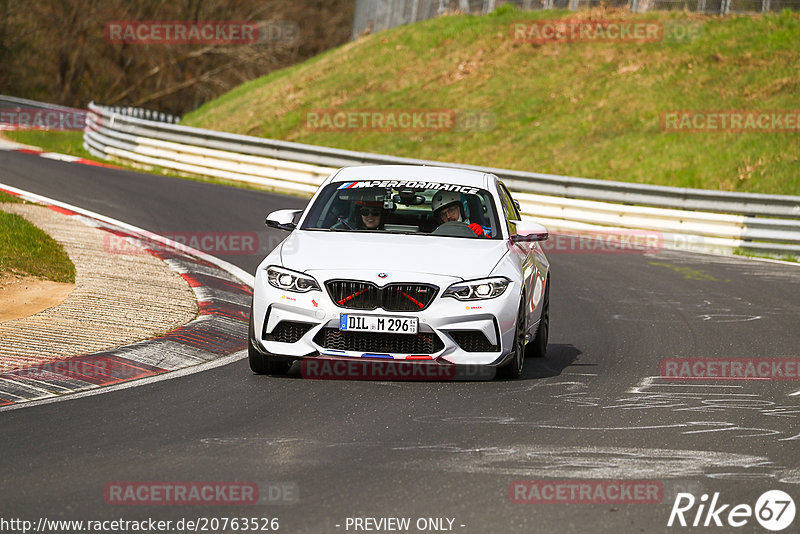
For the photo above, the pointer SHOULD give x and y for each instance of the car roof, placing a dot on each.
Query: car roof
(411, 172)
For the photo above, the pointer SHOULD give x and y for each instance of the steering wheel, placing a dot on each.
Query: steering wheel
(454, 229)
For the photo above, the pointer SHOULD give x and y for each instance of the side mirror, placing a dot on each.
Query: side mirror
(282, 219)
(529, 231)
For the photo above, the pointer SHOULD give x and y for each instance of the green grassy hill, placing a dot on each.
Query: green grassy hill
(583, 109)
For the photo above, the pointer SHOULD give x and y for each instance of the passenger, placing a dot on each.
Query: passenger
(369, 215)
(372, 215)
(447, 207)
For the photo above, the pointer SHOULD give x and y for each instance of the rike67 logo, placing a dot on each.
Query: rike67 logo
(774, 510)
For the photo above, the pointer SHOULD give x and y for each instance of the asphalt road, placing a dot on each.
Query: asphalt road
(594, 409)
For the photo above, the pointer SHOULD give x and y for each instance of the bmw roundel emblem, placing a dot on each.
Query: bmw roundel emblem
(382, 275)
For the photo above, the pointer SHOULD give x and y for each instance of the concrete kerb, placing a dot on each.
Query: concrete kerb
(117, 298)
(216, 337)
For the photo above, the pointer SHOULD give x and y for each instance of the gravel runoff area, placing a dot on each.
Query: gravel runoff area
(118, 298)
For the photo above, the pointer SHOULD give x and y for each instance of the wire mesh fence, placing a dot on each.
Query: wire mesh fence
(376, 15)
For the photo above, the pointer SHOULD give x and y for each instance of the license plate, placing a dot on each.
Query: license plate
(377, 323)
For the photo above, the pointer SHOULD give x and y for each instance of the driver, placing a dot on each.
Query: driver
(447, 207)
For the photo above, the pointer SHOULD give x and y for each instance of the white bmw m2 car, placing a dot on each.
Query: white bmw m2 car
(412, 263)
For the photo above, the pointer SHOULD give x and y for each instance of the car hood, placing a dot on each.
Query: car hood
(463, 258)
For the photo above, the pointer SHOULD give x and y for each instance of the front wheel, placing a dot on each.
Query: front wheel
(513, 367)
(538, 347)
(264, 363)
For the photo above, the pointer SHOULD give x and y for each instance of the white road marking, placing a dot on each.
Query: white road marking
(231, 358)
(59, 157)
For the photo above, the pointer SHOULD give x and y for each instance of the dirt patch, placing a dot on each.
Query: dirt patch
(23, 296)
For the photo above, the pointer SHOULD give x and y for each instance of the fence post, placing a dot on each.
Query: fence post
(488, 6)
(725, 7)
(765, 6)
(573, 5)
(634, 6)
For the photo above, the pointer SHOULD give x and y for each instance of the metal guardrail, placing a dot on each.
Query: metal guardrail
(751, 204)
(21, 113)
(146, 114)
(686, 218)
(12, 102)
(109, 135)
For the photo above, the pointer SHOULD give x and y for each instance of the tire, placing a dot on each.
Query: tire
(538, 347)
(513, 367)
(260, 363)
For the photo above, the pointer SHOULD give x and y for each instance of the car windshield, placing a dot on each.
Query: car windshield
(427, 208)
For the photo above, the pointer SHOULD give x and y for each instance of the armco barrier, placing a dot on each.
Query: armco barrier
(547, 184)
(21, 113)
(110, 134)
(687, 218)
(12, 102)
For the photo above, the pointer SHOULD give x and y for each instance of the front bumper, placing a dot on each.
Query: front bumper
(450, 331)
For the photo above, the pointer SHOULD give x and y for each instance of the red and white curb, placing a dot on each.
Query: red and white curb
(216, 337)
(11, 146)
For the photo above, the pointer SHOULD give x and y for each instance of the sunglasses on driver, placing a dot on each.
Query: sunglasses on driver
(370, 211)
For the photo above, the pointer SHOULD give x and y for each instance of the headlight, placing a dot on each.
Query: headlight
(486, 288)
(290, 280)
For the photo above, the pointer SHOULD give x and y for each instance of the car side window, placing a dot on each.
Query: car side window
(509, 208)
(508, 204)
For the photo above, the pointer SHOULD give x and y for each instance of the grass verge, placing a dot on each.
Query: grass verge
(51, 141)
(10, 199)
(589, 109)
(750, 254)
